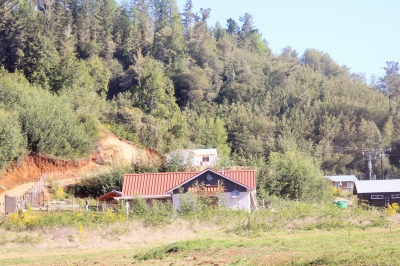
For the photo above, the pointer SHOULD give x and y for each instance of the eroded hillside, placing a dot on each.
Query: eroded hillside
(110, 150)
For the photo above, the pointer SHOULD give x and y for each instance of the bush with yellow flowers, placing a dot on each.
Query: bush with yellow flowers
(21, 220)
(392, 209)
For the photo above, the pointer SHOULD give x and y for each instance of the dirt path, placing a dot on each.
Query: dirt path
(17, 191)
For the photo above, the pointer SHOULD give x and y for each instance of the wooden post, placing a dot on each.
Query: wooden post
(127, 210)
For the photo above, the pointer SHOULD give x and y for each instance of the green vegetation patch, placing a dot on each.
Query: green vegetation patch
(341, 247)
(189, 245)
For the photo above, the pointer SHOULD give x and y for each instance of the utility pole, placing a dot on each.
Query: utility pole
(383, 154)
(369, 156)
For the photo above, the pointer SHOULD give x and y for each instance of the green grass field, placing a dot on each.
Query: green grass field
(292, 234)
(341, 247)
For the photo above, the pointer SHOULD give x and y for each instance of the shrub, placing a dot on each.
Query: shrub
(392, 209)
(293, 175)
(50, 123)
(12, 142)
(101, 184)
(21, 221)
(337, 192)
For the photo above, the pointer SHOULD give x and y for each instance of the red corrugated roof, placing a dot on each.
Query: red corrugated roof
(147, 184)
(110, 195)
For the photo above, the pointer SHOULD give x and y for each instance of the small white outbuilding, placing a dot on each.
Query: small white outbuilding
(195, 157)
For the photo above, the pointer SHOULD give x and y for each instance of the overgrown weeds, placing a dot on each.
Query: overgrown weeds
(288, 215)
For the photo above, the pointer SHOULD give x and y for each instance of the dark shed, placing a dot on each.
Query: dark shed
(378, 193)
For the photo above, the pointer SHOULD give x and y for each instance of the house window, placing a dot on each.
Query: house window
(349, 185)
(376, 196)
(206, 159)
(396, 196)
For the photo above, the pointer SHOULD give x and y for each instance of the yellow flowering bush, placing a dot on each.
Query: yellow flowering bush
(23, 220)
(82, 234)
(59, 193)
(392, 209)
(337, 191)
(111, 217)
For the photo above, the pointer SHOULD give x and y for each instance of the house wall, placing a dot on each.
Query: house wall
(345, 186)
(198, 160)
(240, 203)
(379, 202)
(192, 159)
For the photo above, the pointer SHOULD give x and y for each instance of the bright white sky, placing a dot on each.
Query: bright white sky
(361, 34)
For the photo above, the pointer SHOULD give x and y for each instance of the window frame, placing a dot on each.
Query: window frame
(395, 196)
(204, 160)
(376, 196)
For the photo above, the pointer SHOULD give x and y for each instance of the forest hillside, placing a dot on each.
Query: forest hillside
(164, 79)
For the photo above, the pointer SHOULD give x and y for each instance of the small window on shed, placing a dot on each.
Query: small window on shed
(376, 196)
(206, 159)
(396, 196)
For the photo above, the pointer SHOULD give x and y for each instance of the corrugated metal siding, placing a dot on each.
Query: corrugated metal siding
(147, 184)
(378, 186)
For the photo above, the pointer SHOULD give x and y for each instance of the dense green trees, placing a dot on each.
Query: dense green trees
(168, 80)
(293, 175)
(12, 142)
(46, 123)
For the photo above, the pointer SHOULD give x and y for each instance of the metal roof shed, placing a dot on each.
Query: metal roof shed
(342, 178)
(345, 182)
(378, 193)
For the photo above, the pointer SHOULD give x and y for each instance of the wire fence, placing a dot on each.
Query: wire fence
(36, 193)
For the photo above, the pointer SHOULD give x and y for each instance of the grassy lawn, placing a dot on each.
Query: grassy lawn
(373, 246)
(291, 234)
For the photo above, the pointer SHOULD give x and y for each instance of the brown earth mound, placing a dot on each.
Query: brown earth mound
(110, 150)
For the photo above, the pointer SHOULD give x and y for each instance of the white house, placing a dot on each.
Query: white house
(195, 157)
(345, 182)
(233, 188)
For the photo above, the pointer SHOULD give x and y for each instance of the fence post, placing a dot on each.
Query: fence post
(127, 209)
(5, 204)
